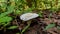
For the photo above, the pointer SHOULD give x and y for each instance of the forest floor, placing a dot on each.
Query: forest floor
(38, 24)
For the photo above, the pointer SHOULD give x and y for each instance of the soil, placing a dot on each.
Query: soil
(38, 24)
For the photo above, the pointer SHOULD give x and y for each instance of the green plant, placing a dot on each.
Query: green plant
(25, 28)
(58, 27)
(17, 33)
(49, 26)
(40, 14)
(4, 18)
(12, 27)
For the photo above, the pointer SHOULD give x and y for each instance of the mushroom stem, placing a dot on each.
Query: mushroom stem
(29, 22)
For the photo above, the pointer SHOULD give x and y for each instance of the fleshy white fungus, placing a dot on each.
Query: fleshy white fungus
(28, 16)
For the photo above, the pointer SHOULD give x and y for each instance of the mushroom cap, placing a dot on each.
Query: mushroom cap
(28, 16)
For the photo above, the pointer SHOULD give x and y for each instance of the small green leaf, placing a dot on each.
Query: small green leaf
(13, 27)
(8, 23)
(40, 14)
(58, 27)
(17, 33)
(17, 12)
(3, 0)
(49, 26)
(5, 19)
(9, 10)
(28, 10)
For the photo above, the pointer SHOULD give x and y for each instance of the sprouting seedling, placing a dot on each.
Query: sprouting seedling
(28, 17)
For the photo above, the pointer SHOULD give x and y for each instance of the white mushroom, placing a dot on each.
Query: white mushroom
(28, 16)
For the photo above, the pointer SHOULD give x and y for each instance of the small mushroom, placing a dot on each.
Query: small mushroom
(28, 17)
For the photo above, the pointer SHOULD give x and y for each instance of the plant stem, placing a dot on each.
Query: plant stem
(29, 22)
